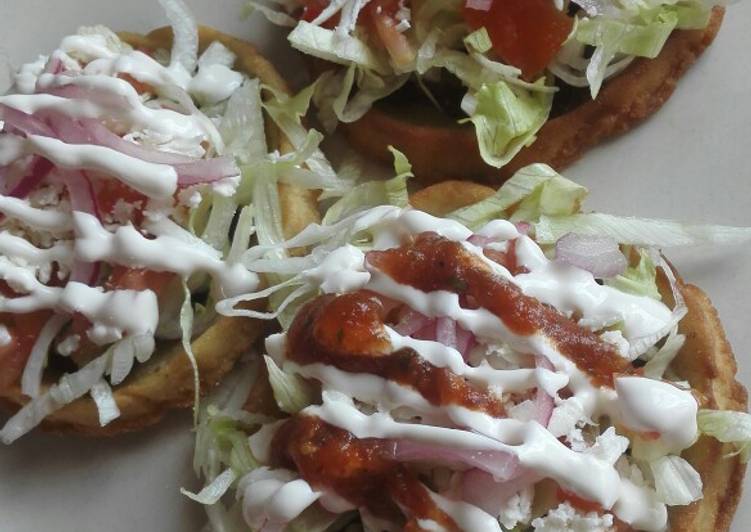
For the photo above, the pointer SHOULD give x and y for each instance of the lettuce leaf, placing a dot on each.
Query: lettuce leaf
(532, 191)
(646, 232)
(728, 427)
(676, 481)
(505, 119)
(372, 193)
(332, 46)
(291, 392)
(640, 279)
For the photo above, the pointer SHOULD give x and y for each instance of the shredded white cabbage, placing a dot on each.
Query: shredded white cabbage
(677, 483)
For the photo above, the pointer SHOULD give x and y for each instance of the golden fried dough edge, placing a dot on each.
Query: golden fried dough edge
(624, 101)
(166, 381)
(706, 361)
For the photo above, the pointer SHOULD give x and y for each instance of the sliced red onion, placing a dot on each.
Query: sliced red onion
(486, 492)
(427, 332)
(544, 403)
(498, 464)
(479, 5)
(445, 332)
(23, 122)
(479, 240)
(523, 227)
(465, 341)
(39, 169)
(82, 198)
(598, 255)
(411, 322)
(206, 171)
(190, 171)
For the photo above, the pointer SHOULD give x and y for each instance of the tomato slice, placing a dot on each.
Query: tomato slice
(313, 8)
(525, 33)
(110, 191)
(579, 503)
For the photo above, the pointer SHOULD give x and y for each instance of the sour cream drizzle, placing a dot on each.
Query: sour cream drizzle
(93, 75)
(638, 403)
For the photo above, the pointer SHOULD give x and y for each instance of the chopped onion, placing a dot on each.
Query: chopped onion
(190, 171)
(500, 465)
(39, 168)
(479, 240)
(445, 332)
(465, 341)
(411, 322)
(27, 124)
(598, 255)
(486, 492)
(544, 403)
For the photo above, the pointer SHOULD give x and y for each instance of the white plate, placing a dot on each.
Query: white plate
(688, 162)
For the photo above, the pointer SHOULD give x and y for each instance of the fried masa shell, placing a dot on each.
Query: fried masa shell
(624, 101)
(706, 361)
(166, 381)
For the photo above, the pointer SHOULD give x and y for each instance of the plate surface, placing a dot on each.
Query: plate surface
(688, 162)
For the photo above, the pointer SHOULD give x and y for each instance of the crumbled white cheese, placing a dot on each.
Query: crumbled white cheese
(517, 509)
(524, 411)
(609, 446)
(122, 211)
(566, 417)
(565, 518)
(190, 197)
(69, 345)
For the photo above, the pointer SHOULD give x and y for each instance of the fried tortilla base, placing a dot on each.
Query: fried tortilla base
(706, 361)
(439, 148)
(166, 381)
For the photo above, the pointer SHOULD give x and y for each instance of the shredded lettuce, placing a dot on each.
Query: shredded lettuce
(186, 326)
(185, 30)
(728, 427)
(287, 112)
(505, 119)
(31, 379)
(479, 41)
(640, 279)
(291, 392)
(345, 96)
(217, 230)
(657, 365)
(646, 232)
(371, 193)
(532, 191)
(676, 481)
(106, 406)
(242, 127)
(335, 47)
(70, 387)
(212, 492)
(275, 16)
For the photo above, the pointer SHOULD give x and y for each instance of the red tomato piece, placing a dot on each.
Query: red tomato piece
(525, 33)
(579, 503)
